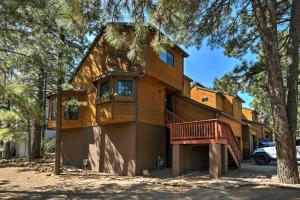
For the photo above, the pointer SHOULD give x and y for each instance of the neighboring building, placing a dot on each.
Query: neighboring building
(256, 130)
(229, 105)
(139, 114)
(21, 147)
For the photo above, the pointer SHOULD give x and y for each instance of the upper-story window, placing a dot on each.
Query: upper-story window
(71, 112)
(167, 57)
(104, 89)
(205, 99)
(53, 109)
(125, 87)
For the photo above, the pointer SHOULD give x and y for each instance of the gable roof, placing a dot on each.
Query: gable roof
(188, 78)
(124, 24)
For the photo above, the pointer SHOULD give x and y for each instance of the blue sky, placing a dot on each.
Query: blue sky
(206, 64)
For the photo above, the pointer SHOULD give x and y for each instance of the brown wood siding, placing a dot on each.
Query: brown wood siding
(186, 91)
(227, 104)
(148, 136)
(191, 112)
(236, 127)
(198, 94)
(219, 103)
(247, 114)
(102, 59)
(237, 108)
(151, 101)
(171, 75)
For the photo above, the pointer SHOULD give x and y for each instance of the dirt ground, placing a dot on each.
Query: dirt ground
(26, 183)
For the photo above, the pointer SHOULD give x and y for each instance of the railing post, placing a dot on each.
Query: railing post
(216, 130)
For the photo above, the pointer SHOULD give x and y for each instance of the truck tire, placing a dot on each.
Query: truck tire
(262, 159)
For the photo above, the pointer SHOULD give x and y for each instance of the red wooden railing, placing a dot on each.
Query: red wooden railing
(233, 145)
(206, 131)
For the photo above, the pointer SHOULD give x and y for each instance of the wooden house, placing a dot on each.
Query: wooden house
(257, 131)
(142, 115)
(229, 105)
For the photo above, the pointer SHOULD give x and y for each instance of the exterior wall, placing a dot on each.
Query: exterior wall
(75, 147)
(247, 114)
(235, 126)
(102, 59)
(191, 111)
(219, 103)
(150, 101)
(198, 94)
(227, 104)
(150, 144)
(190, 158)
(186, 90)
(246, 142)
(115, 112)
(109, 149)
(250, 115)
(237, 108)
(157, 68)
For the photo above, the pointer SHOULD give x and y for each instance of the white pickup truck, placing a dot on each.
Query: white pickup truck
(265, 155)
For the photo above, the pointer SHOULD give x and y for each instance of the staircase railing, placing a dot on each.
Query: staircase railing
(233, 145)
(171, 118)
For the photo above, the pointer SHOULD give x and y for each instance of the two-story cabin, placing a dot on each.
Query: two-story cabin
(141, 116)
(257, 131)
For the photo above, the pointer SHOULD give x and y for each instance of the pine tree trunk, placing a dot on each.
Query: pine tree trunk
(29, 141)
(58, 127)
(44, 112)
(293, 66)
(37, 138)
(36, 145)
(285, 141)
(7, 152)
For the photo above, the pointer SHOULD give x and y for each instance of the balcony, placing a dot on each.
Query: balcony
(211, 131)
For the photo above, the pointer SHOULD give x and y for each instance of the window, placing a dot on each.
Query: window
(104, 89)
(167, 57)
(71, 111)
(205, 99)
(125, 87)
(53, 109)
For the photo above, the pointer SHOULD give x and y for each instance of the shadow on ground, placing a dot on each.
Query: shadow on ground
(142, 191)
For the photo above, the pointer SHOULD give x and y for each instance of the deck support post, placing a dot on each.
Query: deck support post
(215, 160)
(176, 160)
(224, 151)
